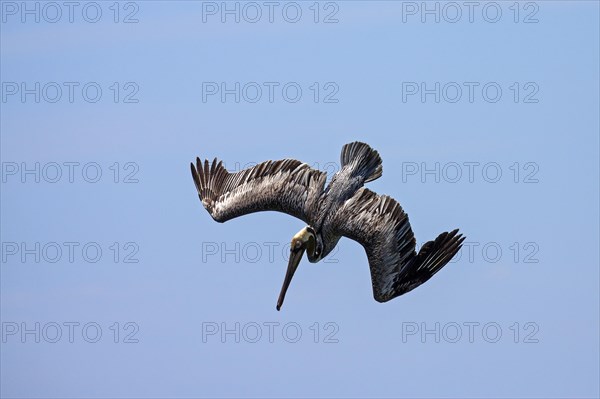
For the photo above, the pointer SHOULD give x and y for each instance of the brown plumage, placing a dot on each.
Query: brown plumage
(344, 208)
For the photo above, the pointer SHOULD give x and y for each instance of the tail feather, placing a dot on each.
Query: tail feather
(365, 160)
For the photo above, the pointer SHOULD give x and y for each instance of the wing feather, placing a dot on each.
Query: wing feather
(287, 185)
(382, 227)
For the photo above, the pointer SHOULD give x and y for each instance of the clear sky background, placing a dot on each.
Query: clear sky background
(529, 273)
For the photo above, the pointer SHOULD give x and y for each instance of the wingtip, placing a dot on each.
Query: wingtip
(198, 165)
(459, 237)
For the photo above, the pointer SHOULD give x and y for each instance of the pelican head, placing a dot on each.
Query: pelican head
(305, 240)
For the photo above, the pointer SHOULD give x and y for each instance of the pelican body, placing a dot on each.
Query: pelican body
(345, 208)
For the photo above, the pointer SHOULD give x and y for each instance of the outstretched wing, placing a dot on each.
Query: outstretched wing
(382, 227)
(288, 186)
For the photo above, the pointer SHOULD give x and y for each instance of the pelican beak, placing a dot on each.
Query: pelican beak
(295, 258)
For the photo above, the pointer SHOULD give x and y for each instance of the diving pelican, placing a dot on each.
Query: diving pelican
(345, 208)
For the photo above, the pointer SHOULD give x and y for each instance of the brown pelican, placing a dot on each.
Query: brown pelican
(344, 208)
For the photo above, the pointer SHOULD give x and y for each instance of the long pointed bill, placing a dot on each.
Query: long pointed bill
(295, 258)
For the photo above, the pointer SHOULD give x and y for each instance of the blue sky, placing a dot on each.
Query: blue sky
(530, 274)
